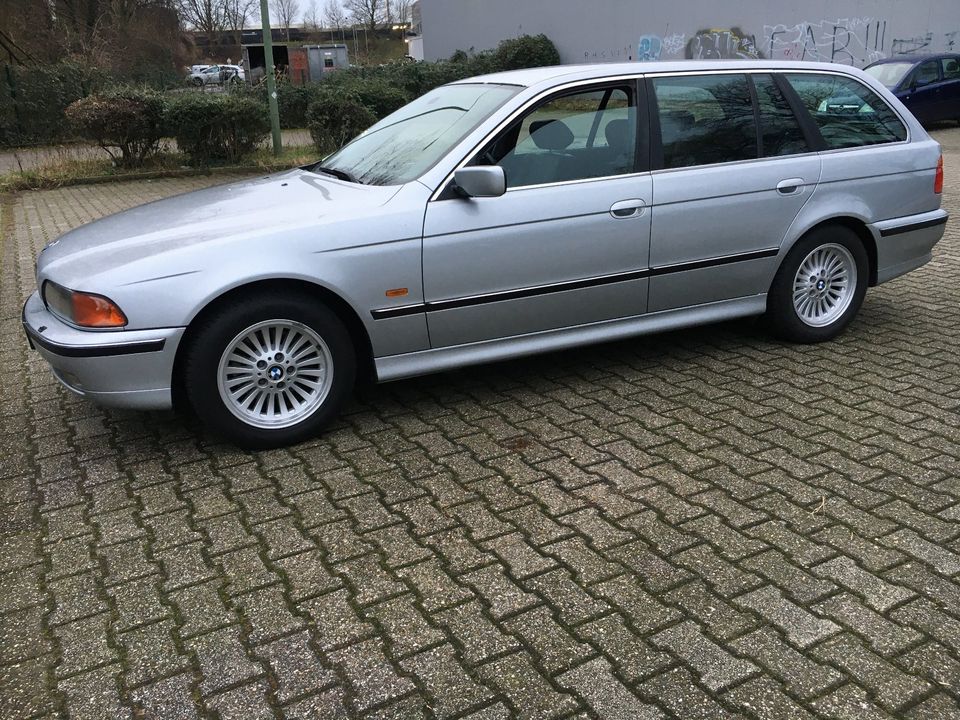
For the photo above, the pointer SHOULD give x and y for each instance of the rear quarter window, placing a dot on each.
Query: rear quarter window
(847, 113)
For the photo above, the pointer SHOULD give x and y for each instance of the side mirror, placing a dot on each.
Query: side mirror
(481, 181)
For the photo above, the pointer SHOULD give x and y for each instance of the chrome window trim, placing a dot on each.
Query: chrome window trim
(520, 111)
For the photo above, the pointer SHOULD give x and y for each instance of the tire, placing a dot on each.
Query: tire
(197, 82)
(269, 370)
(827, 272)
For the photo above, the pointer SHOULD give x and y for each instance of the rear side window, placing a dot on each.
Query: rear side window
(951, 68)
(848, 114)
(705, 119)
(780, 133)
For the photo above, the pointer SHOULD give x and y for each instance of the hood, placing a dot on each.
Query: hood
(274, 203)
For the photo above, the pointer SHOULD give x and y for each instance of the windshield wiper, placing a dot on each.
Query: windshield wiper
(337, 173)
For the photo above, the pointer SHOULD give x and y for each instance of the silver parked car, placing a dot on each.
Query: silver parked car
(493, 218)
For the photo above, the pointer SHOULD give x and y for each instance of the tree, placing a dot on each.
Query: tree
(286, 11)
(236, 14)
(311, 17)
(402, 11)
(207, 16)
(334, 16)
(366, 12)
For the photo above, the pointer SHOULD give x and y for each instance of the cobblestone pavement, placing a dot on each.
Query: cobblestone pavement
(705, 524)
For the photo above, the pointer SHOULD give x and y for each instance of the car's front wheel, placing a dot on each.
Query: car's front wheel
(269, 371)
(820, 286)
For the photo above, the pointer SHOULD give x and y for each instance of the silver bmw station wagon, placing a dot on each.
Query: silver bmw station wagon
(492, 218)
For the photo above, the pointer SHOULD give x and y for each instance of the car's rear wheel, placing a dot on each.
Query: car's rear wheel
(269, 371)
(820, 286)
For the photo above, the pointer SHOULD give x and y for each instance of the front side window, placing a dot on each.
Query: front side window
(575, 136)
(848, 113)
(705, 119)
(780, 132)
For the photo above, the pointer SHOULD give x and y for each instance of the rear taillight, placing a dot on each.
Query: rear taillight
(938, 179)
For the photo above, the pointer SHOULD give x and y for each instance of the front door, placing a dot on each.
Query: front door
(567, 244)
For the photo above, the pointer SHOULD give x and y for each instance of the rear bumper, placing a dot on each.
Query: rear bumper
(129, 368)
(906, 243)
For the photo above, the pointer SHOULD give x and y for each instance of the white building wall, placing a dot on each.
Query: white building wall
(847, 31)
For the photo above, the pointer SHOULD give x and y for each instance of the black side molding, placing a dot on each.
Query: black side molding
(900, 229)
(405, 310)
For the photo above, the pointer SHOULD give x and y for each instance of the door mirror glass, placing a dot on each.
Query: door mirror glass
(481, 181)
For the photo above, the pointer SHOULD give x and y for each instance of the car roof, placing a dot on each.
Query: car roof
(535, 76)
(913, 58)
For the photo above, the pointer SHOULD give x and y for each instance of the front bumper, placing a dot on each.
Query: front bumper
(127, 368)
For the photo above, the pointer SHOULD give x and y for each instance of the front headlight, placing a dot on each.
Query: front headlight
(82, 309)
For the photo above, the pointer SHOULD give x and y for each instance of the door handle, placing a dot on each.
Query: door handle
(790, 187)
(627, 209)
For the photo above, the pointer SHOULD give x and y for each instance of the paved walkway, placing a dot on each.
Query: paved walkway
(33, 157)
(705, 524)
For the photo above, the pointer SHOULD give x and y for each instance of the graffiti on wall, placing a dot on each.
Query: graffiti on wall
(852, 41)
(722, 44)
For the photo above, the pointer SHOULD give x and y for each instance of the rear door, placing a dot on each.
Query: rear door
(950, 68)
(733, 168)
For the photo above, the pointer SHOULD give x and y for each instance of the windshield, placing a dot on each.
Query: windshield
(406, 144)
(890, 74)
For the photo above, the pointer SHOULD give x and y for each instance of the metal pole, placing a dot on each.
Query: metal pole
(271, 78)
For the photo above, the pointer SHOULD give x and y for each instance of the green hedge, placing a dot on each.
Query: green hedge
(128, 123)
(33, 100)
(216, 127)
(336, 117)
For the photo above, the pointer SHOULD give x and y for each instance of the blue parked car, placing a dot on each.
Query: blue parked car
(929, 85)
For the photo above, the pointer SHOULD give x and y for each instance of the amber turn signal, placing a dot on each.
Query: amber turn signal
(96, 311)
(397, 292)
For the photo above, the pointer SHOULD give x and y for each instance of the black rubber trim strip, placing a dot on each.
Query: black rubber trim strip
(82, 351)
(406, 310)
(900, 229)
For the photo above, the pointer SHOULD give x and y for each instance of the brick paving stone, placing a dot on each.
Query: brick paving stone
(335, 621)
(451, 690)
(93, 695)
(849, 703)
(462, 542)
(936, 556)
(892, 687)
(554, 646)
(167, 698)
(370, 674)
(503, 596)
(202, 608)
(222, 659)
(606, 696)
(405, 625)
(84, 644)
(879, 595)
(716, 667)
(885, 637)
(296, 667)
(764, 698)
(531, 696)
(801, 675)
(247, 702)
(327, 705)
(572, 603)
(150, 653)
(307, 575)
(678, 692)
(801, 628)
